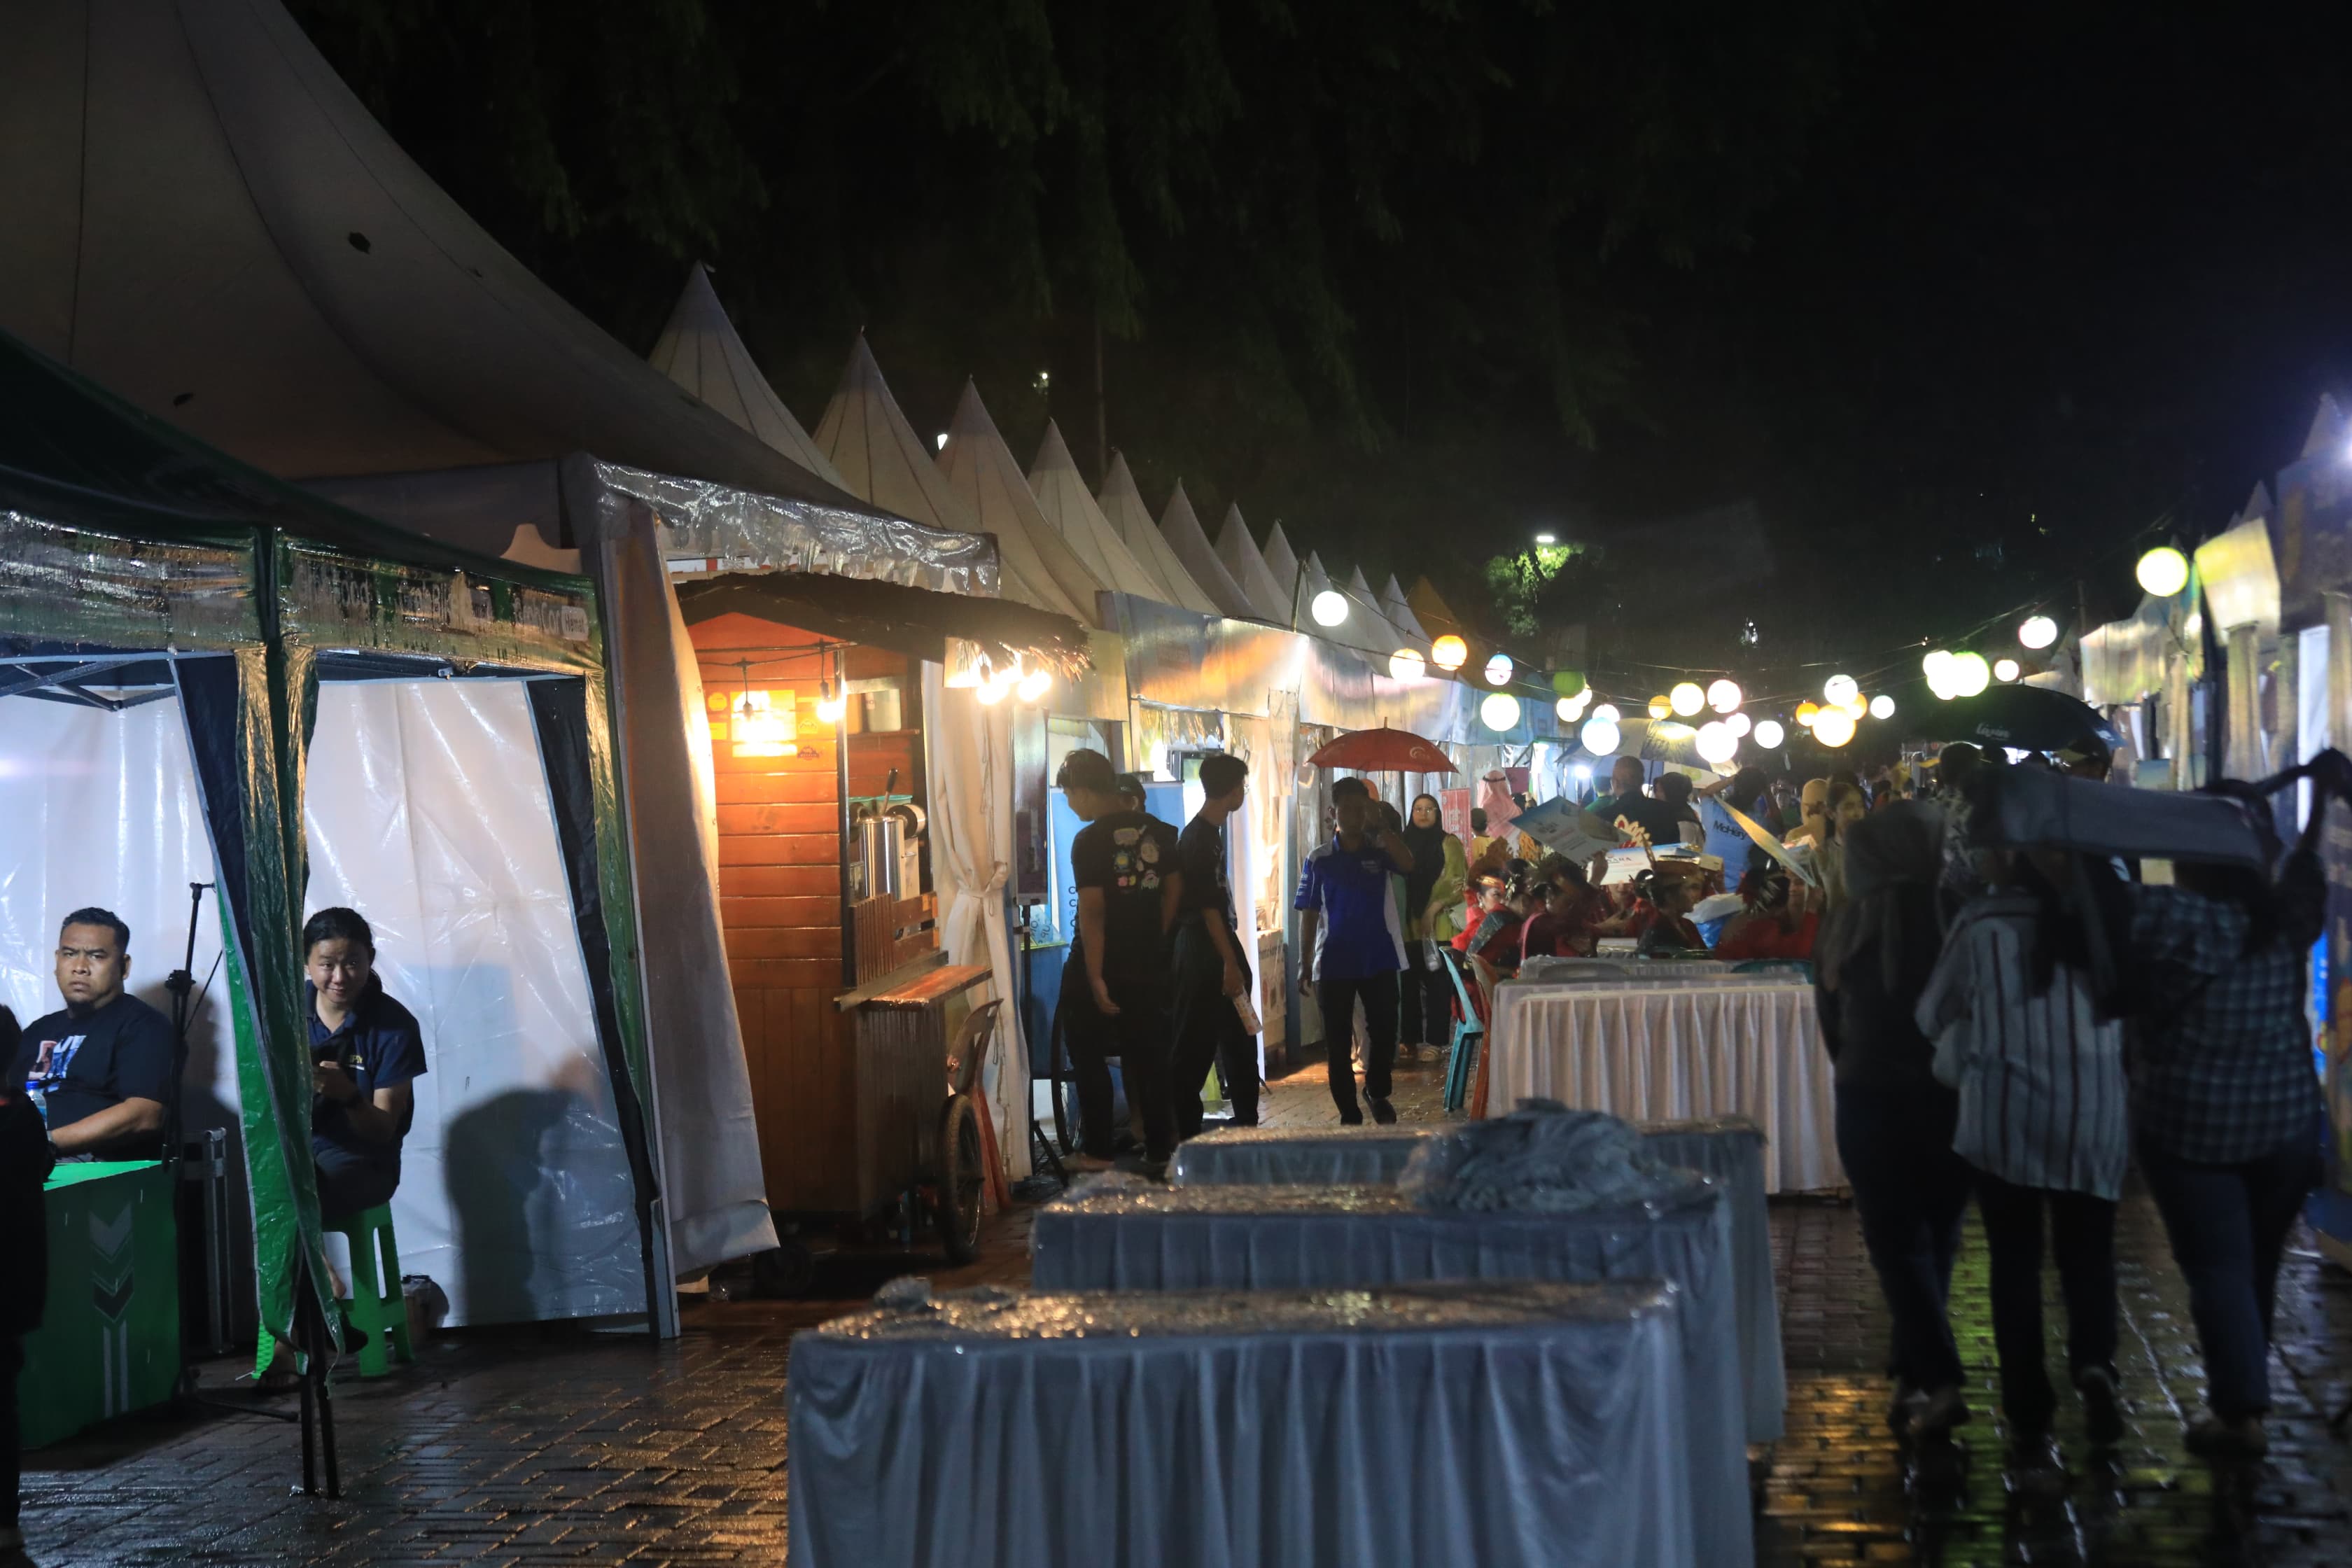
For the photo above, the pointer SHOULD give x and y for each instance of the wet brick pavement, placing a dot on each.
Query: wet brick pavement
(561, 1447)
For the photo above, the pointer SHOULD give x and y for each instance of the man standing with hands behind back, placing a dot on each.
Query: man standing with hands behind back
(1212, 974)
(104, 1068)
(1353, 938)
(1114, 982)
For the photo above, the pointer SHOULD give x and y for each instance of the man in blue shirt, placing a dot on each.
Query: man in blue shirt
(366, 1055)
(101, 1068)
(1352, 940)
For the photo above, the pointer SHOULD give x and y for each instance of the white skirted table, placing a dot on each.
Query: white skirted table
(1657, 1053)
(1731, 1148)
(1512, 1425)
(1132, 1236)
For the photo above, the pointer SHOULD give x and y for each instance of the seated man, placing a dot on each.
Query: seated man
(366, 1051)
(103, 1069)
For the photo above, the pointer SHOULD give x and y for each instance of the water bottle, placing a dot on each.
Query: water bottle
(40, 1099)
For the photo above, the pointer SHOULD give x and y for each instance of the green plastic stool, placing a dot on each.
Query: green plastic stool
(376, 1306)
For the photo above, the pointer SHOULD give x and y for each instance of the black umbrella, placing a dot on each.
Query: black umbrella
(2026, 718)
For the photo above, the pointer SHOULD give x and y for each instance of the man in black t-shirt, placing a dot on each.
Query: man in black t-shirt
(102, 1070)
(1211, 973)
(1115, 983)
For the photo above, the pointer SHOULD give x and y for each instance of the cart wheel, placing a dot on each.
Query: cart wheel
(960, 1174)
(785, 1270)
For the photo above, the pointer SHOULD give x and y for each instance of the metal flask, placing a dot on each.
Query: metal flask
(879, 840)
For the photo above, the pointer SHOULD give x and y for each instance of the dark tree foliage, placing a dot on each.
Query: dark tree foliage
(1338, 257)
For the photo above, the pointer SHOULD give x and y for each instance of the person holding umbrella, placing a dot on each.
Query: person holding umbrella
(1352, 942)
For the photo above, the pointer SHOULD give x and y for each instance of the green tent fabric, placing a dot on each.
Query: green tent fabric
(131, 549)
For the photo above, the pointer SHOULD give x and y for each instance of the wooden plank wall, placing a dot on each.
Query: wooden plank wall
(780, 906)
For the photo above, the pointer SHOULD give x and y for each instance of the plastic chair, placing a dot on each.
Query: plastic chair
(1469, 1031)
(376, 1307)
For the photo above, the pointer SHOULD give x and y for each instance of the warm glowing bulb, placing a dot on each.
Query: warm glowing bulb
(2163, 572)
(1840, 689)
(1661, 706)
(1500, 711)
(1034, 684)
(1715, 742)
(1449, 652)
(1807, 712)
(1687, 698)
(1570, 709)
(1406, 664)
(2007, 670)
(1967, 674)
(1856, 706)
(1938, 667)
(1328, 607)
(1739, 723)
(1834, 727)
(992, 692)
(1599, 736)
(1882, 707)
(1723, 696)
(2039, 631)
(1606, 713)
(829, 710)
(1768, 734)
(1498, 670)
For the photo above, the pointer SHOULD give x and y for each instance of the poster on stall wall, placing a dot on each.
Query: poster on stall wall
(1454, 810)
(2330, 1210)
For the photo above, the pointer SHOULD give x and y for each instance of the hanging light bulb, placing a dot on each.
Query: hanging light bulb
(1660, 706)
(1606, 713)
(2039, 631)
(1500, 711)
(1406, 664)
(1498, 670)
(1807, 712)
(1881, 706)
(1938, 667)
(1840, 689)
(830, 706)
(1857, 707)
(1449, 652)
(1738, 724)
(1967, 675)
(1716, 744)
(1768, 734)
(1723, 696)
(1570, 709)
(1034, 684)
(1687, 698)
(1834, 727)
(1328, 607)
(2007, 670)
(1600, 735)
(2163, 572)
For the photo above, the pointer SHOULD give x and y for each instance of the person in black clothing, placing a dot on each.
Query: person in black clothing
(1114, 982)
(1895, 1122)
(1212, 974)
(25, 1165)
(366, 1054)
(103, 1071)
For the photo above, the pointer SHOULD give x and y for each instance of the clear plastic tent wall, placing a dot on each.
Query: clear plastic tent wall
(148, 586)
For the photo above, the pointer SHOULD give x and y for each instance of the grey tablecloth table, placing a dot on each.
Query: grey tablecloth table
(1138, 1238)
(1507, 1426)
(1729, 1148)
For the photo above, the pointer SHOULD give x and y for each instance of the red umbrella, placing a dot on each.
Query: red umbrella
(1383, 751)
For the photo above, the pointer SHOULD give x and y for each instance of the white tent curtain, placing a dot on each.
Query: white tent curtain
(970, 753)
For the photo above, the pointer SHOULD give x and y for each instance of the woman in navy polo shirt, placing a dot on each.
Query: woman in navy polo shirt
(366, 1052)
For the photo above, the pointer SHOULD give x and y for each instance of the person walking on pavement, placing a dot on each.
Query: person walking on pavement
(1352, 943)
(2226, 1110)
(1895, 1122)
(2042, 1122)
(1212, 974)
(1115, 991)
(1433, 889)
(26, 1160)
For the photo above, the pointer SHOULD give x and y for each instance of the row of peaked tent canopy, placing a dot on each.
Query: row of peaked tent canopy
(1062, 543)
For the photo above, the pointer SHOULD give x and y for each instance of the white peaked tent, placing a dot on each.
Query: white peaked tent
(1238, 551)
(1123, 507)
(1364, 629)
(1399, 611)
(203, 219)
(866, 439)
(1062, 496)
(1364, 602)
(1281, 562)
(701, 350)
(1182, 529)
(980, 468)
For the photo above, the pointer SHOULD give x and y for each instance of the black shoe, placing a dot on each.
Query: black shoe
(1383, 1112)
(2213, 1437)
(1351, 1119)
(2103, 1404)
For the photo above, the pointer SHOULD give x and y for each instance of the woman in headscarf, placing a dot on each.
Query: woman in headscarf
(1895, 1122)
(1432, 913)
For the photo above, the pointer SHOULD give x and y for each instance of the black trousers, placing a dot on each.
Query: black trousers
(1338, 1000)
(12, 1459)
(2082, 1240)
(1208, 1033)
(1139, 1035)
(1909, 1192)
(1425, 999)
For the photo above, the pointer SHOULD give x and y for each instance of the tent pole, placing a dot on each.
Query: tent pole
(841, 794)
